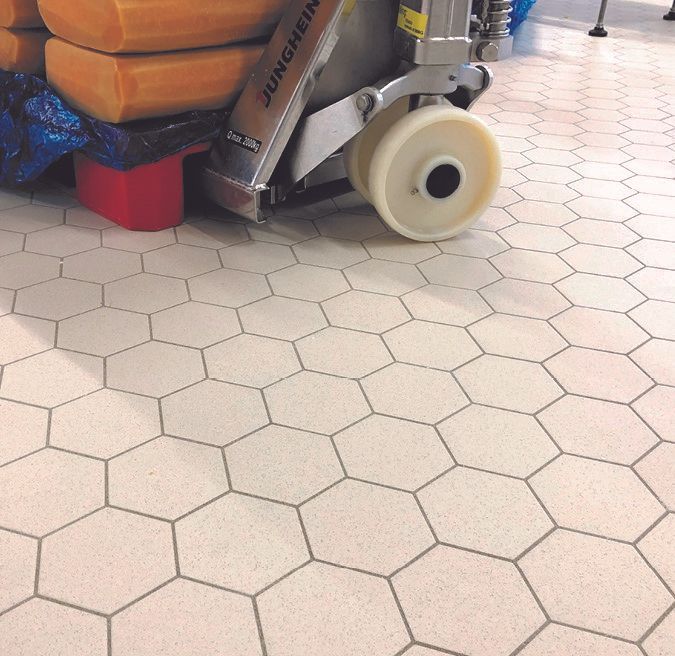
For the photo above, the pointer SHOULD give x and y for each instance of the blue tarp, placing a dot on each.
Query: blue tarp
(37, 128)
(521, 9)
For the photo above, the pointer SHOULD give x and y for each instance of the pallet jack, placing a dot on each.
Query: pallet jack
(377, 91)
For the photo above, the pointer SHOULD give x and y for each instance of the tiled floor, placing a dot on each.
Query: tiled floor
(312, 438)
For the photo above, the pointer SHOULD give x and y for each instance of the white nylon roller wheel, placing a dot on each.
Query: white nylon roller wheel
(434, 172)
(358, 152)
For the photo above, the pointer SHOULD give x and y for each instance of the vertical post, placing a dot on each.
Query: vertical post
(599, 29)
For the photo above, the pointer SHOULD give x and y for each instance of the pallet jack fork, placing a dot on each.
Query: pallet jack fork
(405, 137)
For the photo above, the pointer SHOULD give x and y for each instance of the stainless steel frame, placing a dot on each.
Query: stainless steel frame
(289, 125)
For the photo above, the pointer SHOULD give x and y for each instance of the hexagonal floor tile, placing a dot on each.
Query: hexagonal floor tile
(18, 556)
(211, 234)
(484, 512)
(431, 345)
(658, 547)
(595, 584)
(497, 440)
(598, 374)
(29, 218)
(24, 336)
(154, 369)
(6, 301)
(660, 642)
(257, 257)
(282, 464)
(602, 233)
(105, 423)
(343, 225)
(508, 384)
(601, 260)
(316, 402)
(251, 360)
(474, 243)
(343, 352)
(597, 429)
(58, 299)
(22, 269)
(657, 318)
(195, 324)
(43, 628)
(531, 265)
(308, 283)
(533, 211)
(365, 526)
(457, 307)
(392, 452)
(49, 489)
(24, 430)
(383, 277)
(101, 265)
(282, 318)
(63, 240)
(166, 478)
(599, 329)
(657, 358)
(657, 470)
(10, 242)
(103, 331)
(556, 639)
(415, 393)
(333, 253)
(179, 619)
(240, 543)
(145, 293)
(525, 298)
(396, 248)
(63, 376)
(106, 560)
(600, 292)
(656, 408)
(213, 412)
(373, 313)
(331, 611)
(181, 261)
(537, 238)
(517, 337)
(655, 283)
(459, 271)
(284, 230)
(596, 497)
(466, 602)
(137, 242)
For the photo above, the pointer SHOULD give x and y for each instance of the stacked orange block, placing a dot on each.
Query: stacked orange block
(22, 43)
(121, 60)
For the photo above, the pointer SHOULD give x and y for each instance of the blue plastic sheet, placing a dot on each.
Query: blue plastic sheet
(37, 128)
(521, 9)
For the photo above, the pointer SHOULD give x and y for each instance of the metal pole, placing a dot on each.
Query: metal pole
(599, 29)
(670, 16)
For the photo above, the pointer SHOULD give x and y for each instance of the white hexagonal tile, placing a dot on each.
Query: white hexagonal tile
(461, 601)
(101, 265)
(309, 283)
(195, 324)
(384, 277)
(24, 430)
(396, 248)
(373, 313)
(415, 393)
(181, 261)
(484, 512)
(282, 318)
(145, 292)
(392, 452)
(459, 271)
(63, 376)
(257, 257)
(18, 557)
(283, 464)
(508, 384)
(213, 412)
(106, 560)
(316, 402)
(105, 423)
(365, 526)
(343, 352)
(21, 337)
(556, 639)
(525, 298)
(595, 584)
(63, 240)
(240, 543)
(497, 440)
(154, 369)
(251, 360)
(58, 299)
(457, 307)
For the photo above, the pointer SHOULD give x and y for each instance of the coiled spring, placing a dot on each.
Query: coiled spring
(497, 19)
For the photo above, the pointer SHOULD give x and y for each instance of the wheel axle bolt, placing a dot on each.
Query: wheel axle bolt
(365, 102)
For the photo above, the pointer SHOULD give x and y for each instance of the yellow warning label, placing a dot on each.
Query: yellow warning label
(413, 21)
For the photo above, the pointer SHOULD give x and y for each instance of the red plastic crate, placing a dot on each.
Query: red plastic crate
(149, 197)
